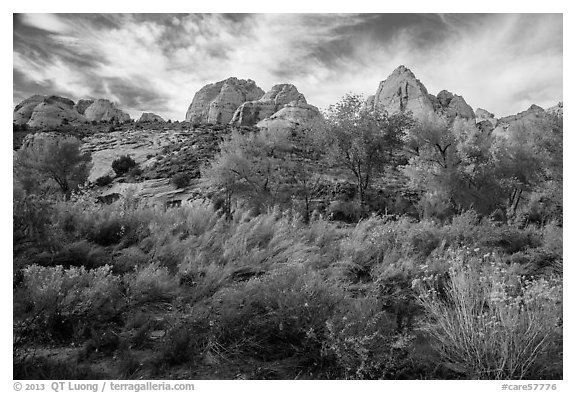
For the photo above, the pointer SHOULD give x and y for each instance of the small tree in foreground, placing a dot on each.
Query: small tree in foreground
(57, 159)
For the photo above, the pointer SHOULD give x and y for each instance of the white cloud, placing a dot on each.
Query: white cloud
(503, 63)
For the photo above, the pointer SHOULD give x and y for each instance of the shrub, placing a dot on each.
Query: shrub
(151, 283)
(181, 180)
(123, 164)
(68, 301)
(364, 342)
(276, 316)
(488, 323)
(103, 181)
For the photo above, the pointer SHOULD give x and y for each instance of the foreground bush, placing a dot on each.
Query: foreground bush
(490, 324)
(66, 302)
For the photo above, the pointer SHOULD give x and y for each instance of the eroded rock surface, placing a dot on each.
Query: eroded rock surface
(104, 110)
(251, 112)
(216, 103)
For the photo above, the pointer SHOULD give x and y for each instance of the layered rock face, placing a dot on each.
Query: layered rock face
(402, 92)
(150, 117)
(105, 110)
(290, 116)
(217, 102)
(251, 112)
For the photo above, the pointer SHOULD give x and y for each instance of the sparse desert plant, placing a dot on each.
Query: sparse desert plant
(490, 324)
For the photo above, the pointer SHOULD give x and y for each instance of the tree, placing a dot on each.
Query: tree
(361, 140)
(262, 169)
(527, 157)
(451, 164)
(53, 158)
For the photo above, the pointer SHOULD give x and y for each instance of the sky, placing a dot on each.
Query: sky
(156, 62)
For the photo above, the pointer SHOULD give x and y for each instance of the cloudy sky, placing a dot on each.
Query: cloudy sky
(156, 62)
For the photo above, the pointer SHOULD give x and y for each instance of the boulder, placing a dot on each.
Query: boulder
(105, 110)
(216, 103)
(251, 112)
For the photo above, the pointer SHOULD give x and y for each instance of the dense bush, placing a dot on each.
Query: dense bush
(123, 164)
(181, 180)
(104, 181)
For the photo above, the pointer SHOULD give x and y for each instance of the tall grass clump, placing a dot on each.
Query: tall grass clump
(488, 323)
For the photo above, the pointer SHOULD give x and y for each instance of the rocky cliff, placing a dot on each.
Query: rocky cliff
(251, 112)
(216, 103)
(403, 92)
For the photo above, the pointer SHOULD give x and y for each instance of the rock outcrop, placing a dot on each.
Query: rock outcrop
(452, 105)
(557, 110)
(23, 111)
(81, 105)
(216, 103)
(485, 120)
(290, 116)
(105, 110)
(54, 111)
(251, 112)
(402, 92)
(150, 117)
(530, 118)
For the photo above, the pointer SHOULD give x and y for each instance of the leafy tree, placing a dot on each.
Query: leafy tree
(54, 158)
(529, 157)
(361, 140)
(263, 169)
(451, 164)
